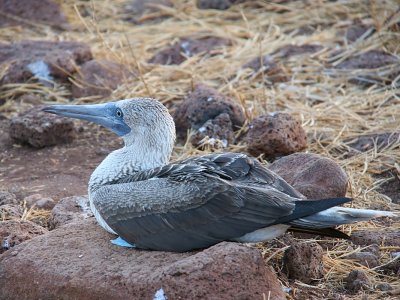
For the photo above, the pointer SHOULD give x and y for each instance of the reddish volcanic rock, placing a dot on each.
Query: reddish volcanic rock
(11, 212)
(186, 47)
(40, 129)
(26, 12)
(391, 185)
(43, 59)
(275, 135)
(367, 68)
(288, 51)
(7, 198)
(368, 237)
(368, 142)
(68, 210)
(13, 232)
(77, 261)
(356, 280)
(267, 67)
(216, 4)
(141, 11)
(98, 78)
(313, 175)
(204, 104)
(215, 133)
(303, 261)
(37, 201)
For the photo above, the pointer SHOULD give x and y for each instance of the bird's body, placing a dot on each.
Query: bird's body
(194, 203)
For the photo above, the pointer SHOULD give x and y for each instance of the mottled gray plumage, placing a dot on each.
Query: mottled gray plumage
(194, 203)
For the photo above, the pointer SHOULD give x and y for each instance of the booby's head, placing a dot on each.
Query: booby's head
(137, 120)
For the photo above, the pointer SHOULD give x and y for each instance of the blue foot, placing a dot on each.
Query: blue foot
(119, 241)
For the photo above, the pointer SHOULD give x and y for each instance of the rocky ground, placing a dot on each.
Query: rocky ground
(311, 89)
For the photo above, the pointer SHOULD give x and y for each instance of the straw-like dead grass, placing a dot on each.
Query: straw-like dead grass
(330, 107)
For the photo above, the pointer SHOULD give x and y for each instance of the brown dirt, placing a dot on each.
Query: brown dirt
(55, 172)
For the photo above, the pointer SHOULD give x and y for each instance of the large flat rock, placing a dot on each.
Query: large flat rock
(77, 261)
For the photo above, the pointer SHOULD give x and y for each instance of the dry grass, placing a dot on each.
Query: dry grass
(326, 104)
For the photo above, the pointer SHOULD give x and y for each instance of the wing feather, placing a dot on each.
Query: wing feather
(195, 203)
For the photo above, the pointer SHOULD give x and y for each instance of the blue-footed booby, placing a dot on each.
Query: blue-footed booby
(194, 203)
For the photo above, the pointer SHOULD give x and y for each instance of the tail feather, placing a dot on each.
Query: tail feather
(335, 216)
(306, 208)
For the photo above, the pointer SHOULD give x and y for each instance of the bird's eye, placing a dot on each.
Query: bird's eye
(119, 113)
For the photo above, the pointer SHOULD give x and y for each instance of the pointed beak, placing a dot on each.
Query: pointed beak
(102, 114)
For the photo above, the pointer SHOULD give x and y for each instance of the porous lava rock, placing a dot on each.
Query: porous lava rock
(26, 12)
(391, 185)
(68, 210)
(7, 198)
(215, 133)
(187, 47)
(365, 258)
(303, 261)
(98, 78)
(368, 142)
(40, 129)
(267, 67)
(141, 11)
(356, 280)
(392, 268)
(356, 31)
(203, 104)
(38, 201)
(384, 286)
(43, 60)
(14, 232)
(10, 212)
(288, 51)
(313, 175)
(302, 30)
(363, 68)
(216, 4)
(275, 135)
(368, 60)
(77, 261)
(368, 237)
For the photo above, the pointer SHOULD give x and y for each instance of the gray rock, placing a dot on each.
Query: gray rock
(40, 129)
(77, 261)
